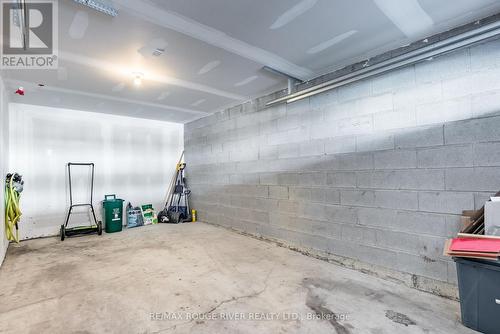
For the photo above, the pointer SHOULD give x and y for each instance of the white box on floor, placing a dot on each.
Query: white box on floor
(492, 218)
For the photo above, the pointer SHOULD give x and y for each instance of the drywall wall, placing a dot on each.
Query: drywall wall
(374, 174)
(4, 151)
(134, 159)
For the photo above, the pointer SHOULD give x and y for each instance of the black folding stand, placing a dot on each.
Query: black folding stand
(93, 228)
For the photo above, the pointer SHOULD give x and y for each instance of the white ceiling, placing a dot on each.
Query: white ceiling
(215, 49)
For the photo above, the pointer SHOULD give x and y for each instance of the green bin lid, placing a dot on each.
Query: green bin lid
(114, 199)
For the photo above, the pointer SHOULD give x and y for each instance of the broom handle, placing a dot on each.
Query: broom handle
(172, 182)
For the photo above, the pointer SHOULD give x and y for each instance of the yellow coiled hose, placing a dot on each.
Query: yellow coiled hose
(12, 210)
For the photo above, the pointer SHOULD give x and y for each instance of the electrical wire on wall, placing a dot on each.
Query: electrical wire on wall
(13, 187)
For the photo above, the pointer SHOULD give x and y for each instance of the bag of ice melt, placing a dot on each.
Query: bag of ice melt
(134, 216)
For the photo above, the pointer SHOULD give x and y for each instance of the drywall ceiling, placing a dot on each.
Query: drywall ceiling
(214, 50)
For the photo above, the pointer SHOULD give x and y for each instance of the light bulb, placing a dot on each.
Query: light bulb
(138, 78)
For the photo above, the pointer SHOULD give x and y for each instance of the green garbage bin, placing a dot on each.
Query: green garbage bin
(113, 213)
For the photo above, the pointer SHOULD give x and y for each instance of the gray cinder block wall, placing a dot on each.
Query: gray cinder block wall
(373, 175)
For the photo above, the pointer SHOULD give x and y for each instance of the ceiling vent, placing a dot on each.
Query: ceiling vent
(158, 52)
(153, 48)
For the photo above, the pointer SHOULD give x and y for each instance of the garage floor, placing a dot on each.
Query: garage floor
(168, 278)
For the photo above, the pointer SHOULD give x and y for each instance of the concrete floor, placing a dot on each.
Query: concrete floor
(197, 278)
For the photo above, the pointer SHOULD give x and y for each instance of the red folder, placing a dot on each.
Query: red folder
(475, 245)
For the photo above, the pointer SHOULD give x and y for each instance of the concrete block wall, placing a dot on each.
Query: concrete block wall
(376, 172)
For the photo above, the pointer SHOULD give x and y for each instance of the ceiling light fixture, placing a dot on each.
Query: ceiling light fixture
(99, 6)
(138, 78)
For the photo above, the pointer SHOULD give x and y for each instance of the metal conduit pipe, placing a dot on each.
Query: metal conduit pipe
(483, 33)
